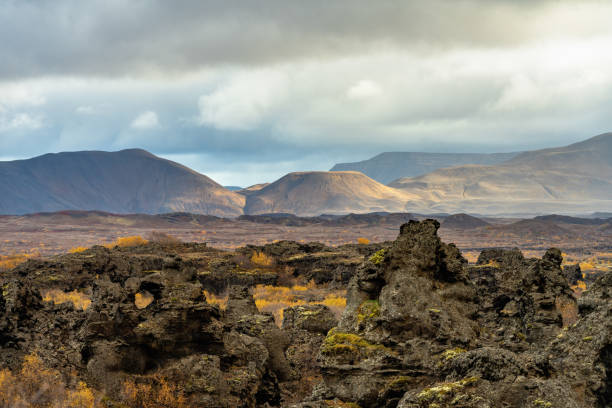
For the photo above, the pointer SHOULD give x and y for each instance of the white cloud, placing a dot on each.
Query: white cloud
(364, 89)
(20, 121)
(19, 95)
(145, 121)
(85, 110)
(245, 101)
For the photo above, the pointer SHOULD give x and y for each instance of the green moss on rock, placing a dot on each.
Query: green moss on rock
(452, 353)
(368, 310)
(378, 257)
(441, 392)
(338, 343)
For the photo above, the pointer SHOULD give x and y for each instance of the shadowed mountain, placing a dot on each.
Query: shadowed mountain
(575, 178)
(390, 166)
(533, 229)
(463, 221)
(128, 181)
(571, 220)
(314, 193)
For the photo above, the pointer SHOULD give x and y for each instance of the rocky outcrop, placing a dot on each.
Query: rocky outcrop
(573, 273)
(316, 261)
(306, 327)
(143, 325)
(424, 329)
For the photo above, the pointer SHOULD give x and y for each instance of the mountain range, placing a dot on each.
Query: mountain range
(575, 178)
(572, 179)
(390, 166)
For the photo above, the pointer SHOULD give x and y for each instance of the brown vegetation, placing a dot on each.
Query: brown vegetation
(274, 299)
(259, 258)
(78, 299)
(36, 386)
(131, 241)
(158, 394)
(10, 261)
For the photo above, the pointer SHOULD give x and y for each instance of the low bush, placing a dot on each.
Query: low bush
(36, 386)
(125, 242)
(78, 299)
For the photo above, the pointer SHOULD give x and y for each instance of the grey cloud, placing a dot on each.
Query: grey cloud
(114, 38)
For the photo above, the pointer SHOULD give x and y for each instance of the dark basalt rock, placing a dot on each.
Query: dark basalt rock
(422, 328)
(233, 358)
(312, 318)
(572, 273)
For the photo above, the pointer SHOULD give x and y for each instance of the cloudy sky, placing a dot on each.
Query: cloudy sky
(246, 91)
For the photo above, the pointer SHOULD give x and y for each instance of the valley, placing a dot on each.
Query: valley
(581, 239)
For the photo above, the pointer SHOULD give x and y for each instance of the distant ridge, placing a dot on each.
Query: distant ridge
(127, 181)
(574, 179)
(570, 180)
(390, 166)
(463, 221)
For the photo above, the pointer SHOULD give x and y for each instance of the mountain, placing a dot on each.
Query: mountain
(128, 181)
(564, 219)
(314, 193)
(252, 189)
(463, 221)
(572, 179)
(390, 166)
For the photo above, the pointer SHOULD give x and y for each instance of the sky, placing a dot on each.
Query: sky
(247, 91)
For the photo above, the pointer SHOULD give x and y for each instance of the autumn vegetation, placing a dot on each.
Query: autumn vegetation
(34, 385)
(261, 259)
(274, 299)
(124, 242)
(80, 300)
(10, 261)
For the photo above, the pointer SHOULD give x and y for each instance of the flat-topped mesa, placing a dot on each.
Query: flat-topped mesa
(423, 327)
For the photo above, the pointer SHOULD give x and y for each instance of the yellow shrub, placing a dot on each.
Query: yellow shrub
(77, 249)
(363, 241)
(274, 299)
(259, 258)
(161, 395)
(212, 299)
(336, 303)
(78, 299)
(124, 242)
(36, 386)
(579, 287)
(82, 397)
(10, 261)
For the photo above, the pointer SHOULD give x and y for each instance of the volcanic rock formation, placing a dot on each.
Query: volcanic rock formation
(422, 328)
